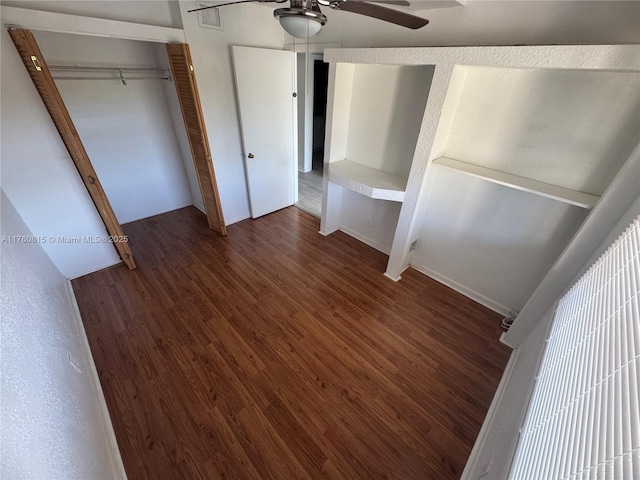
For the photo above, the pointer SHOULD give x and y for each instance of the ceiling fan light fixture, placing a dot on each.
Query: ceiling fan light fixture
(300, 22)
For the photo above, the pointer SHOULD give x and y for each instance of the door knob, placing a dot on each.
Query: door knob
(250, 155)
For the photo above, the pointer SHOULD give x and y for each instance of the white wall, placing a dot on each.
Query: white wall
(492, 454)
(126, 129)
(165, 13)
(490, 242)
(305, 78)
(246, 25)
(482, 22)
(387, 105)
(567, 128)
(574, 129)
(40, 178)
(370, 221)
(52, 416)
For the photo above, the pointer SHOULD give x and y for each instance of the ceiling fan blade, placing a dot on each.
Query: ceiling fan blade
(403, 3)
(383, 13)
(230, 3)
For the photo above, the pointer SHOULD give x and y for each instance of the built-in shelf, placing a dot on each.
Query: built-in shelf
(572, 197)
(367, 181)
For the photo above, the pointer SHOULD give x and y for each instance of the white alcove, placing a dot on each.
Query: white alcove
(514, 148)
(379, 115)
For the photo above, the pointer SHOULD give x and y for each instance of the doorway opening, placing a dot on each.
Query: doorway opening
(313, 77)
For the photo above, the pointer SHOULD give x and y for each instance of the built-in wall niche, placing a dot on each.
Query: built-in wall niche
(563, 134)
(527, 155)
(515, 150)
(376, 124)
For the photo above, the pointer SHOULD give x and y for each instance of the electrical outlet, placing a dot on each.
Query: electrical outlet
(413, 245)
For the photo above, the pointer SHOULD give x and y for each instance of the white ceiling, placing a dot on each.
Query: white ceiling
(479, 22)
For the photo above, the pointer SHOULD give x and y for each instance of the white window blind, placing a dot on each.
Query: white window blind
(583, 420)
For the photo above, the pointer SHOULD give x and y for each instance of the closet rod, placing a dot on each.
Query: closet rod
(132, 73)
(105, 69)
(110, 78)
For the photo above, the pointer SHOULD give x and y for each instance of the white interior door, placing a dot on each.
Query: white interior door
(265, 83)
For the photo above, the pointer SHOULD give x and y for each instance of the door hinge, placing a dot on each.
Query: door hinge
(191, 68)
(36, 63)
(92, 179)
(126, 256)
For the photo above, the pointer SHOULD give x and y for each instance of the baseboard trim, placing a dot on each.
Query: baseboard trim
(228, 220)
(117, 467)
(170, 209)
(97, 269)
(199, 207)
(364, 239)
(494, 408)
(237, 218)
(395, 279)
(467, 292)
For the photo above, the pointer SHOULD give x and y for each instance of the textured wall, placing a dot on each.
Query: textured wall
(51, 423)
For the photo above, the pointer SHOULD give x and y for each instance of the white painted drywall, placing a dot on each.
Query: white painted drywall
(52, 420)
(498, 437)
(165, 13)
(40, 178)
(301, 72)
(246, 25)
(481, 22)
(369, 220)
(387, 105)
(492, 241)
(305, 82)
(563, 127)
(126, 129)
(621, 193)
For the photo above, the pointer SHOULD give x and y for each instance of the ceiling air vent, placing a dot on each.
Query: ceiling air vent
(209, 18)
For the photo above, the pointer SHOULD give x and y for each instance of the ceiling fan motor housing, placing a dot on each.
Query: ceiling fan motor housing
(301, 20)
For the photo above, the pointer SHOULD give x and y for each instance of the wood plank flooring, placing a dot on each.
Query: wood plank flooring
(276, 353)
(310, 192)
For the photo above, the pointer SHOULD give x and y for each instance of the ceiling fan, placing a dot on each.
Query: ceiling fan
(304, 18)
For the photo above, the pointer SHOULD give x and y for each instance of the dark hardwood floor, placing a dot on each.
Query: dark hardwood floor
(276, 353)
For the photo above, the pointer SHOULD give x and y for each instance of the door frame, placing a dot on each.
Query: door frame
(305, 109)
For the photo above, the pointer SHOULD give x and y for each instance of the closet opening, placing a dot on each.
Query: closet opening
(129, 114)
